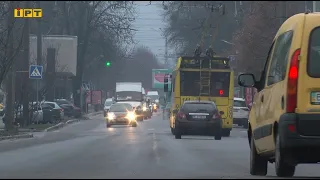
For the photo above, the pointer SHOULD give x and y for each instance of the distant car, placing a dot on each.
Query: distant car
(240, 112)
(203, 116)
(121, 114)
(69, 108)
(107, 105)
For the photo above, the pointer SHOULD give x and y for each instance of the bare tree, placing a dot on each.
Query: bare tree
(7, 28)
(260, 25)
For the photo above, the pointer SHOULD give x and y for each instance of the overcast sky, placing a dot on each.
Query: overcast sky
(149, 24)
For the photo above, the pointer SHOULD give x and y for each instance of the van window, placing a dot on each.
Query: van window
(278, 67)
(314, 53)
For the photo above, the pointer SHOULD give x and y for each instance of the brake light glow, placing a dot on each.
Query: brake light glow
(292, 85)
(221, 92)
(181, 115)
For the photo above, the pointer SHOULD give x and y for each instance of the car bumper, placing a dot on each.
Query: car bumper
(119, 121)
(293, 128)
(194, 126)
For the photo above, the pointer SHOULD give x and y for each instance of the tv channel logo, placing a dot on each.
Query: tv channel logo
(27, 13)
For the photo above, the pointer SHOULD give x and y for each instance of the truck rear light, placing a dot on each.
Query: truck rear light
(292, 85)
(221, 92)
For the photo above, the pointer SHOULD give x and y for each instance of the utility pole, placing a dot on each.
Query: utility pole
(11, 75)
(166, 52)
(39, 49)
(25, 67)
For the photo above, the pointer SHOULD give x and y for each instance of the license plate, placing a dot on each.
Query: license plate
(315, 98)
(199, 117)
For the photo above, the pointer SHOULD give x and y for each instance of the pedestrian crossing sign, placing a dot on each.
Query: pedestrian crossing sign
(35, 72)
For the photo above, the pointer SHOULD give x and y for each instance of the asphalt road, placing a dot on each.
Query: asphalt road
(88, 150)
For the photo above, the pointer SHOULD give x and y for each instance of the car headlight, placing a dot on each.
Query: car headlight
(111, 116)
(144, 108)
(131, 116)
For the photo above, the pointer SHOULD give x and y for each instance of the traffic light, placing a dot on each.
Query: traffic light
(108, 63)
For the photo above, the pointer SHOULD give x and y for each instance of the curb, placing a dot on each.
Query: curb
(22, 136)
(72, 121)
(61, 125)
(55, 127)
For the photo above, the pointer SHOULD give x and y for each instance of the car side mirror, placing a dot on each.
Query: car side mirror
(246, 80)
(221, 113)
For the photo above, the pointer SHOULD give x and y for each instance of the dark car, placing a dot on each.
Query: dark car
(199, 116)
(121, 114)
(57, 111)
(69, 108)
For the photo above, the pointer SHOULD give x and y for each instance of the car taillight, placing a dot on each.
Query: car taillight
(216, 116)
(292, 85)
(61, 110)
(181, 115)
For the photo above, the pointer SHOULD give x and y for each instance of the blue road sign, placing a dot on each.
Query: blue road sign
(35, 72)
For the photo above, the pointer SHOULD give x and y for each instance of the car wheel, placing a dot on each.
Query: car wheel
(258, 164)
(245, 125)
(177, 133)
(134, 124)
(283, 169)
(108, 125)
(226, 132)
(218, 135)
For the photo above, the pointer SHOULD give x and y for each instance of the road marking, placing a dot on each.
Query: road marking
(151, 129)
(155, 148)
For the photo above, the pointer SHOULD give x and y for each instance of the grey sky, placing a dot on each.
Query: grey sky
(149, 23)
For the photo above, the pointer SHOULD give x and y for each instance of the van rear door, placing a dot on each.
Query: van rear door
(309, 67)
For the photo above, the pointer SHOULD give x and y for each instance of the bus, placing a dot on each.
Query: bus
(202, 78)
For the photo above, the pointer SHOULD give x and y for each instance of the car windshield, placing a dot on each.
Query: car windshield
(237, 103)
(120, 108)
(153, 97)
(108, 103)
(59, 102)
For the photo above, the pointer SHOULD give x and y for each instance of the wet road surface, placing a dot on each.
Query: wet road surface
(88, 150)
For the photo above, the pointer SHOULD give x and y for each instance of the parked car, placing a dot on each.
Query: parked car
(69, 108)
(57, 111)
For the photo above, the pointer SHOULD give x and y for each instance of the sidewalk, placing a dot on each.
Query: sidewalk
(27, 133)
